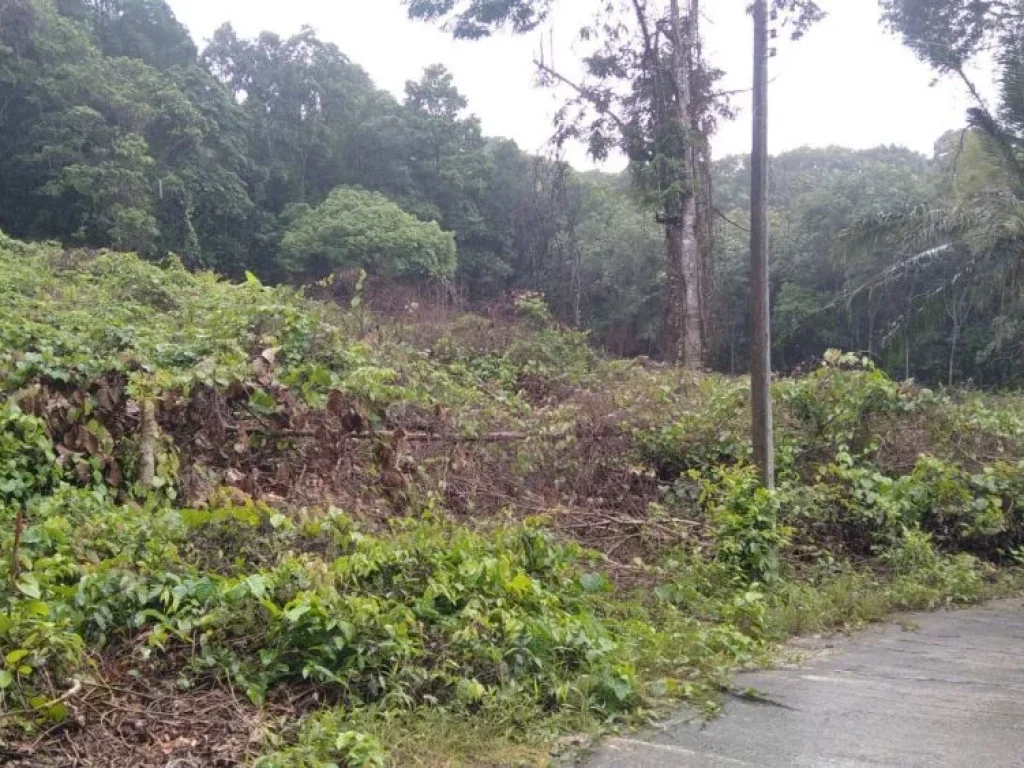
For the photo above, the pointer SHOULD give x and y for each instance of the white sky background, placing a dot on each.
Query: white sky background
(848, 82)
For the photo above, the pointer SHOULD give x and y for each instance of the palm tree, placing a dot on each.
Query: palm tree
(964, 253)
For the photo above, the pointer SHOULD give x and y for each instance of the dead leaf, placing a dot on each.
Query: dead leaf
(83, 471)
(337, 403)
(236, 390)
(114, 477)
(282, 475)
(242, 440)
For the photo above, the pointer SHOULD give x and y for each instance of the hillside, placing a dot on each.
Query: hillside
(240, 525)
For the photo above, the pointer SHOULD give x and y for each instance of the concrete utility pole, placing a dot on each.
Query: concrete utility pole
(760, 315)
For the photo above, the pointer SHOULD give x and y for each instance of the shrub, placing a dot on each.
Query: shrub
(745, 515)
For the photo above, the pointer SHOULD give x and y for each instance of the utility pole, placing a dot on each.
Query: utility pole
(760, 315)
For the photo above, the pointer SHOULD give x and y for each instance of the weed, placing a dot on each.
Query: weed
(175, 453)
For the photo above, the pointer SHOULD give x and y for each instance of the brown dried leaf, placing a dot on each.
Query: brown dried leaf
(114, 476)
(337, 403)
(282, 475)
(29, 399)
(236, 390)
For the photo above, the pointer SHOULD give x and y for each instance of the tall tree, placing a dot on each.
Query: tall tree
(646, 91)
(966, 250)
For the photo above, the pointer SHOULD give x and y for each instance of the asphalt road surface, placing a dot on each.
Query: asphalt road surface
(935, 689)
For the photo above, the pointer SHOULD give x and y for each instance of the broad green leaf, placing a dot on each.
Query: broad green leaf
(29, 587)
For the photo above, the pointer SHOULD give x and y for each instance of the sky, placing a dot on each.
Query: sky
(848, 82)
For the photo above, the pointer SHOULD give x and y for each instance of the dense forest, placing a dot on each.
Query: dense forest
(280, 157)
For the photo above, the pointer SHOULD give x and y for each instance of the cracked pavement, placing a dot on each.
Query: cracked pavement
(937, 689)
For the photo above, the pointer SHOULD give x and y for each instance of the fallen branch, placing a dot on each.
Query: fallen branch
(74, 690)
(426, 437)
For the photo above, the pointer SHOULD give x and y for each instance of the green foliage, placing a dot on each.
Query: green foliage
(834, 405)
(749, 537)
(28, 466)
(701, 437)
(119, 133)
(532, 307)
(421, 629)
(326, 739)
(355, 229)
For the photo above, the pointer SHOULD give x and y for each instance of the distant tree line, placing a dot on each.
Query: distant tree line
(280, 156)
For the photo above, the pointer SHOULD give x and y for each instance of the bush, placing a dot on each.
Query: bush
(432, 602)
(355, 229)
(745, 516)
(28, 465)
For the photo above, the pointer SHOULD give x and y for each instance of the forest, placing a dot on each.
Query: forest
(263, 154)
(334, 432)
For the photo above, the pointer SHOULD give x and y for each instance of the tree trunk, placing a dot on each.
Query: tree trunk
(956, 314)
(906, 355)
(871, 323)
(685, 263)
(673, 330)
(952, 352)
(148, 434)
(693, 309)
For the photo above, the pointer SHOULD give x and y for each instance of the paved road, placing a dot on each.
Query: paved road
(949, 692)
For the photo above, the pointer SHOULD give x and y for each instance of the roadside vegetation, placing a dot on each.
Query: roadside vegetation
(239, 525)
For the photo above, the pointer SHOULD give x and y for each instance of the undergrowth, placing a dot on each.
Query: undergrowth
(421, 538)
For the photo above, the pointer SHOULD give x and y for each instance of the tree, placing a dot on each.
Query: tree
(449, 169)
(136, 29)
(353, 228)
(303, 98)
(966, 250)
(648, 92)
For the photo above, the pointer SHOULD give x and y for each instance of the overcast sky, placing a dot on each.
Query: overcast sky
(848, 82)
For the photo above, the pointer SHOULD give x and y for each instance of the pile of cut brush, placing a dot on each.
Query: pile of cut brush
(238, 525)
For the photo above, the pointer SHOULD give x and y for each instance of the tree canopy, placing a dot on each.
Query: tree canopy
(353, 228)
(280, 156)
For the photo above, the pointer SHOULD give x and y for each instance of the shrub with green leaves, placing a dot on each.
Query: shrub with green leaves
(748, 534)
(28, 464)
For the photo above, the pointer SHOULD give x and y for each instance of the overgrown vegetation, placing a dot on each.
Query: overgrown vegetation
(243, 526)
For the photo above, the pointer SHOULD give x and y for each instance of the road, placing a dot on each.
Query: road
(935, 689)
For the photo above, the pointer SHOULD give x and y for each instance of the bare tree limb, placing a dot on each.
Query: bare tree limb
(582, 91)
